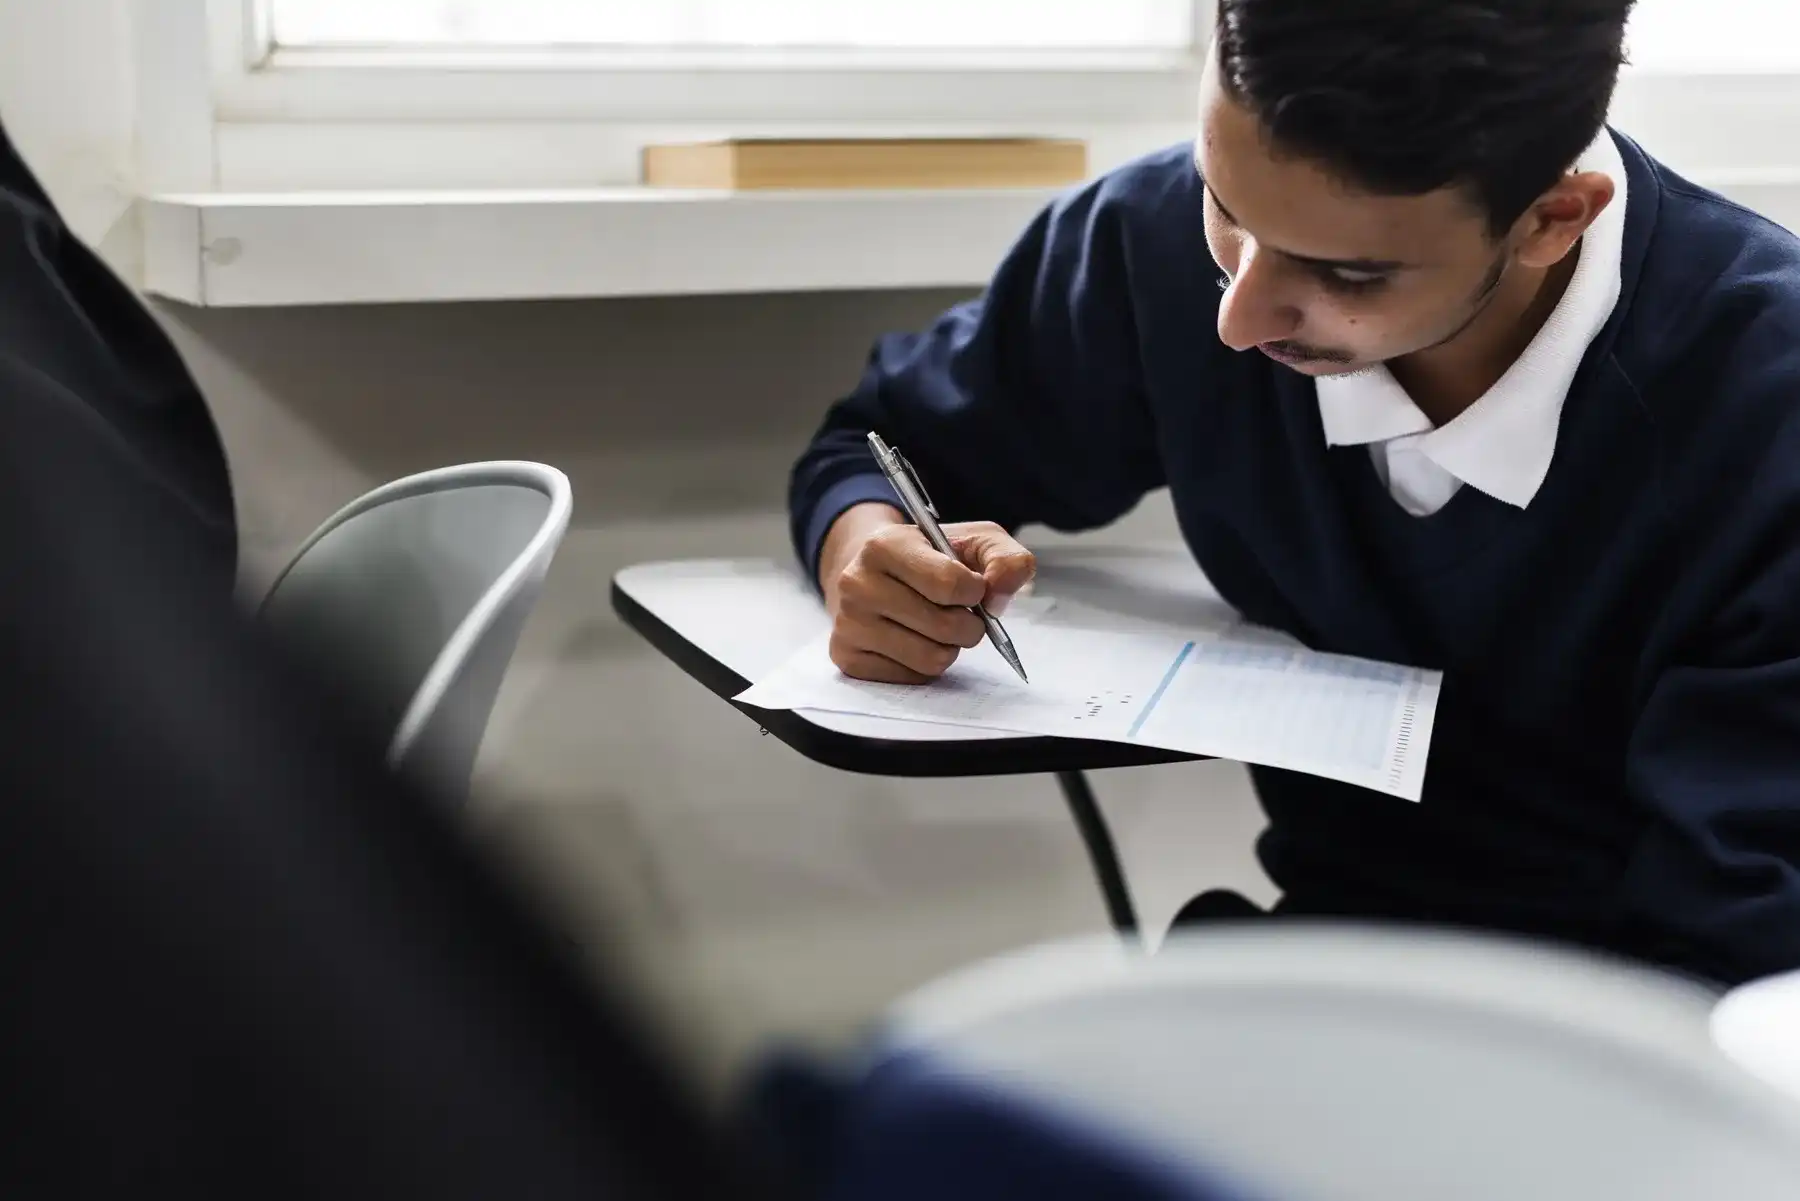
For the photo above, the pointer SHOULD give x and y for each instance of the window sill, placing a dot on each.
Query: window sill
(264, 249)
(238, 250)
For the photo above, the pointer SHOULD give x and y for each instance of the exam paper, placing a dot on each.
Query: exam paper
(1235, 692)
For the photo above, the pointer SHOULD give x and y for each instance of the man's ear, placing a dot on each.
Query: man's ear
(1555, 222)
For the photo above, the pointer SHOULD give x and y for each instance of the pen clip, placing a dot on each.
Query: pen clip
(913, 475)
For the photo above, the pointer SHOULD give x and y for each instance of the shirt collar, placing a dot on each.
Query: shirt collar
(1502, 444)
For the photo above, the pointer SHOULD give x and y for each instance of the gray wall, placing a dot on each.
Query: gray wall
(747, 891)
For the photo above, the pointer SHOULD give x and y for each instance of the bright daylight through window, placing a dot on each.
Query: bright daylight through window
(1708, 35)
(961, 25)
(1665, 34)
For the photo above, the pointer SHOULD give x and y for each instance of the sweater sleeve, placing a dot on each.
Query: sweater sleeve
(1714, 758)
(1024, 406)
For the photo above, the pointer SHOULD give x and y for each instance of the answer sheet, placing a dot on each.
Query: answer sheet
(1231, 692)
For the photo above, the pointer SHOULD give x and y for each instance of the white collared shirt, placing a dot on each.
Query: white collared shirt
(1503, 443)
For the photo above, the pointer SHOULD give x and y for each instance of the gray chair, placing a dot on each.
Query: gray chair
(1348, 1064)
(412, 598)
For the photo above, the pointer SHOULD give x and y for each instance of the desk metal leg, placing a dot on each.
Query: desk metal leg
(1101, 852)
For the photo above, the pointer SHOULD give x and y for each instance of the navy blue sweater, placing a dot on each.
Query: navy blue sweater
(1617, 754)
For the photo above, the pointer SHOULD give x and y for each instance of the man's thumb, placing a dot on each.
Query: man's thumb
(1007, 569)
(1004, 565)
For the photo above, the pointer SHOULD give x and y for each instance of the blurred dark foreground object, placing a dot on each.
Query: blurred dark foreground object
(243, 960)
(916, 1125)
(1295, 1061)
(86, 365)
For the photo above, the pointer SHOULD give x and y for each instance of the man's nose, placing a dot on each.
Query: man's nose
(1253, 309)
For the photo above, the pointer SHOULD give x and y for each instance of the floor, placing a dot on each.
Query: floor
(757, 896)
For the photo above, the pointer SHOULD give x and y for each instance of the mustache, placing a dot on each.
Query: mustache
(1314, 354)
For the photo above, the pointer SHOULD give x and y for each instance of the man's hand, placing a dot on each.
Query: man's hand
(899, 609)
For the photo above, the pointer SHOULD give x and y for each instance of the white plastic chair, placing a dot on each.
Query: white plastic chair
(414, 597)
(1758, 1026)
(1347, 1064)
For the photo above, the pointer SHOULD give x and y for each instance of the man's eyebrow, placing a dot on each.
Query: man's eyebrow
(1365, 266)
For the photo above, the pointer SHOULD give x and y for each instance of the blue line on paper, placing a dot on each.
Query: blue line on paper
(1155, 697)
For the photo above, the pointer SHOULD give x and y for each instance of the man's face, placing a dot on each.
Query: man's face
(1324, 277)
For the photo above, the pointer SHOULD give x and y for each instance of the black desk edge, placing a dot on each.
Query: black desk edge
(1033, 755)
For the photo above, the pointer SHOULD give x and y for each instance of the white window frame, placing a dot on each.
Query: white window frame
(256, 80)
(268, 117)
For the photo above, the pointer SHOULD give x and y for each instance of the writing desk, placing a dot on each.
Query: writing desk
(728, 622)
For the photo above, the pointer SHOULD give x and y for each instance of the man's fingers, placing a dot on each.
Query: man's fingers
(883, 596)
(904, 554)
(891, 640)
(888, 640)
(866, 665)
(901, 610)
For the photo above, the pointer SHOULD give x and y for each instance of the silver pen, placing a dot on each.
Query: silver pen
(924, 514)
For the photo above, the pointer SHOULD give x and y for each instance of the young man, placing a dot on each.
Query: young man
(1491, 391)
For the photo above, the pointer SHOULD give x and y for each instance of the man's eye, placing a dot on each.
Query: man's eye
(1344, 280)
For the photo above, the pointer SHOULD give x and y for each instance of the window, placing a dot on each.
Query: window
(1714, 35)
(365, 92)
(996, 25)
(310, 151)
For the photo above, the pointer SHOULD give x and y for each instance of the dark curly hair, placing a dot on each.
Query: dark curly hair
(1403, 97)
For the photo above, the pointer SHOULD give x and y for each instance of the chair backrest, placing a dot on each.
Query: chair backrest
(1757, 1026)
(1355, 1064)
(413, 597)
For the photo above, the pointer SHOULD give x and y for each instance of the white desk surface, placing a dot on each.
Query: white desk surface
(752, 614)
